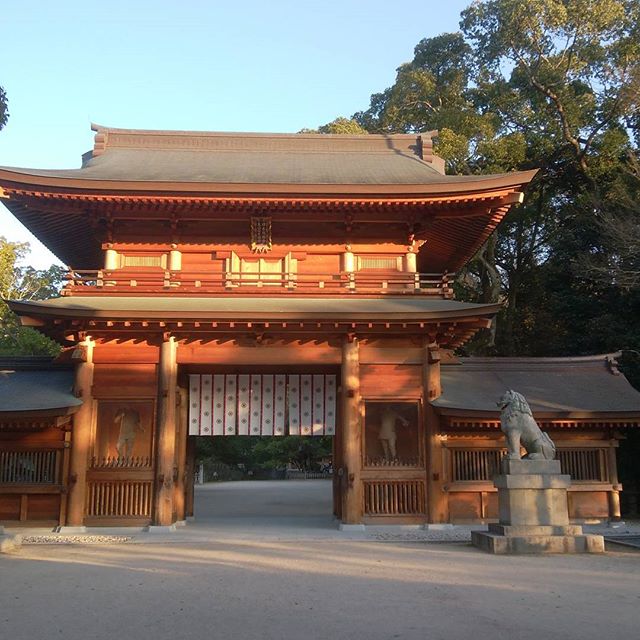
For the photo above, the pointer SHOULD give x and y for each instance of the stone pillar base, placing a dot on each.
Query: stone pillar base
(155, 528)
(71, 529)
(343, 526)
(534, 517)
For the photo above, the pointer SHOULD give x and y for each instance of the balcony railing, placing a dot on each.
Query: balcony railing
(189, 283)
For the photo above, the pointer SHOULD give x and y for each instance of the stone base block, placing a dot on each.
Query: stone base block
(526, 467)
(154, 528)
(9, 543)
(343, 526)
(535, 530)
(537, 544)
(72, 530)
(533, 506)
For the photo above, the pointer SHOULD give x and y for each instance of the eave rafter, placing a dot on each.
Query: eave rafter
(449, 333)
(145, 205)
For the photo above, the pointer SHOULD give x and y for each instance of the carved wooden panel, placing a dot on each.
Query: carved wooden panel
(124, 434)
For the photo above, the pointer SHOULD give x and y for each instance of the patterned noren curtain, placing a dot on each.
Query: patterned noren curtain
(262, 404)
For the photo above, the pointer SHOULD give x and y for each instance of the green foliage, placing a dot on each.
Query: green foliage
(254, 453)
(553, 85)
(20, 282)
(4, 108)
(344, 126)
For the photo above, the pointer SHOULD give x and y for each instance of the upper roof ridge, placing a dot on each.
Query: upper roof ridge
(419, 146)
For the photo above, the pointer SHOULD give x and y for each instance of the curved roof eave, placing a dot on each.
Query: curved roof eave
(30, 179)
(237, 308)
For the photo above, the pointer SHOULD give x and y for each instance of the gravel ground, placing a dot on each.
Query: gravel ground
(267, 561)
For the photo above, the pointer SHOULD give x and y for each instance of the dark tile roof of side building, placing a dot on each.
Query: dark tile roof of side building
(563, 387)
(36, 384)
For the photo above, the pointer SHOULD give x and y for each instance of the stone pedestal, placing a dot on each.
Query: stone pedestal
(533, 511)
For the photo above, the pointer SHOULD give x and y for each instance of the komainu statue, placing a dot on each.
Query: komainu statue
(520, 429)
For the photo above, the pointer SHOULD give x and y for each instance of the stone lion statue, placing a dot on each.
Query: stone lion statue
(520, 429)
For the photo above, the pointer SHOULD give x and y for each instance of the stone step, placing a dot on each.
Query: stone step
(537, 544)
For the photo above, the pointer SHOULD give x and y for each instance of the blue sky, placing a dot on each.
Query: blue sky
(274, 65)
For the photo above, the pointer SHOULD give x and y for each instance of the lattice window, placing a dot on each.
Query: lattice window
(584, 465)
(479, 465)
(385, 263)
(30, 467)
(144, 261)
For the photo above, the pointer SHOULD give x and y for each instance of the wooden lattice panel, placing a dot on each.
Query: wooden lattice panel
(394, 497)
(119, 498)
(30, 467)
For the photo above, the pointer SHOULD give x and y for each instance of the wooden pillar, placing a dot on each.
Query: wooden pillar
(81, 434)
(190, 472)
(351, 433)
(111, 259)
(181, 453)
(437, 501)
(166, 433)
(614, 494)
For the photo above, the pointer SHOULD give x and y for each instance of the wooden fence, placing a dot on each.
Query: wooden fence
(480, 465)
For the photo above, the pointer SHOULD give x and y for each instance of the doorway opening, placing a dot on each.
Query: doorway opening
(263, 445)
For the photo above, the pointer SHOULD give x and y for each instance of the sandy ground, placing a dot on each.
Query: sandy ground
(220, 584)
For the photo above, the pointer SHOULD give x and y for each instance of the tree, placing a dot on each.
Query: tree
(344, 126)
(19, 282)
(264, 453)
(4, 108)
(571, 67)
(615, 262)
(548, 84)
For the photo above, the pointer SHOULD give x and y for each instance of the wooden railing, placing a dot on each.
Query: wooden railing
(121, 462)
(155, 281)
(31, 467)
(394, 497)
(381, 461)
(119, 498)
(480, 465)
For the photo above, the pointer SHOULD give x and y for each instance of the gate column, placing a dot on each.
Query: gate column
(166, 439)
(351, 433)
(80, 436)
(437, 500)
